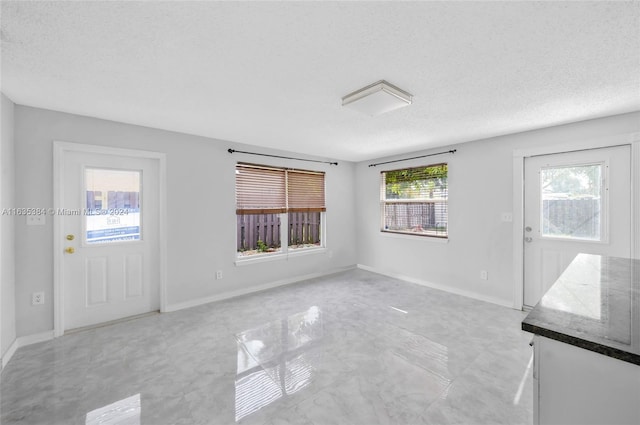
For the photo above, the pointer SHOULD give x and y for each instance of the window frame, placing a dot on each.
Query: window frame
(384, 202)
(604, 203)
(285, 250)
(84, 242)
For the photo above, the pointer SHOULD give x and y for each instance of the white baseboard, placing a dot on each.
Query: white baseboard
(35, 338)
(9, 353)
(251, 290)
(440, 287)
(23, 341)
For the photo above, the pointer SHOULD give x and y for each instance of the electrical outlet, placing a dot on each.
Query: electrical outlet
(35, 220)
(506, 217)
(219, 274)
(37, 298)
(484, 275)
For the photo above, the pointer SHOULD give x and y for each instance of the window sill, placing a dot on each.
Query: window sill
(421, 238)
(277, 257)
(306, 251)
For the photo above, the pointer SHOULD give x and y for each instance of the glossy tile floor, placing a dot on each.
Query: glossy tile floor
(352, 348)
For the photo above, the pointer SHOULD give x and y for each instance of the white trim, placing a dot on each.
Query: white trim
(518, 230)
(263, 258)
(162, 230)
(59, 149)
(2, 363)
(519, 156)
(58, 245)
(438, 286)
(10, 352)
(597, 143)
(107, 150)
(409, 236)
(23, 341)
(260, 258)
(635, 198)
(284, 229)
(301, 252)
(253, 289)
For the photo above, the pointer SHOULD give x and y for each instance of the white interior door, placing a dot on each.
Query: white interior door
(110, 225)
(574, 202)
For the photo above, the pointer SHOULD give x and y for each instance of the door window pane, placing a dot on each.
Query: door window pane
(572, 201)
(113, 205)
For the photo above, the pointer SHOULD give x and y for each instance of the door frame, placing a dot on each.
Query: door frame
(519, 156)
(59, 150)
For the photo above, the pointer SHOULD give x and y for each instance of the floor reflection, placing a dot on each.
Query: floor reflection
(354, 360)
(122, 412)
(271, 360)
(411, 350)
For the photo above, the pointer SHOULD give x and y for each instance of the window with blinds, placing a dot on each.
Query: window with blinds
(278, 209)
(415, 201)
(260, 190)
(305, 191)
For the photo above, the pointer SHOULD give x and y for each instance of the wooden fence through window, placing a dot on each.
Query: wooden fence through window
(413, 215)
(304, 228)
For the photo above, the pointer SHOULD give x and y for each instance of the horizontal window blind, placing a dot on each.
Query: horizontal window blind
(305, 191)
(270, 190)
(260, 190)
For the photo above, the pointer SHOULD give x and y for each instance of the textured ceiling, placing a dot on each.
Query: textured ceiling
(273, 74)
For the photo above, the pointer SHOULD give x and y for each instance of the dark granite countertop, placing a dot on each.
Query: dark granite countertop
(595, 305)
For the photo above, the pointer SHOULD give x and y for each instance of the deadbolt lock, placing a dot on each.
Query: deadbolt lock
(70, 250)
(70, 237)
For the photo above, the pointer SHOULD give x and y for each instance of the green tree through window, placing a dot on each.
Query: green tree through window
(414, 200)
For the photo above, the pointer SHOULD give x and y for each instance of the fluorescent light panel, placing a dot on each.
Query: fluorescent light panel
(377, 98)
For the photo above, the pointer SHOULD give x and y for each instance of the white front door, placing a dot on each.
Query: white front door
(574, 202)
(109, 222)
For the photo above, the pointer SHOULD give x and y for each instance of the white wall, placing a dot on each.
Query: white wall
(201, 214)
(7, 249)
(480, 189)
(201, 211)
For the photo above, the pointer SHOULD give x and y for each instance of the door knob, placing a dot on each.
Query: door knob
(70, 250)
(528, 229)
(70, 237)
(528, 239)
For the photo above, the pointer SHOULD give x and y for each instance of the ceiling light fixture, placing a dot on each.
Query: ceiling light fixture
(377, 98)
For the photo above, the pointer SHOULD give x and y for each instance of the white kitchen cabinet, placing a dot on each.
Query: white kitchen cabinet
(587, 344)
(577, 386)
